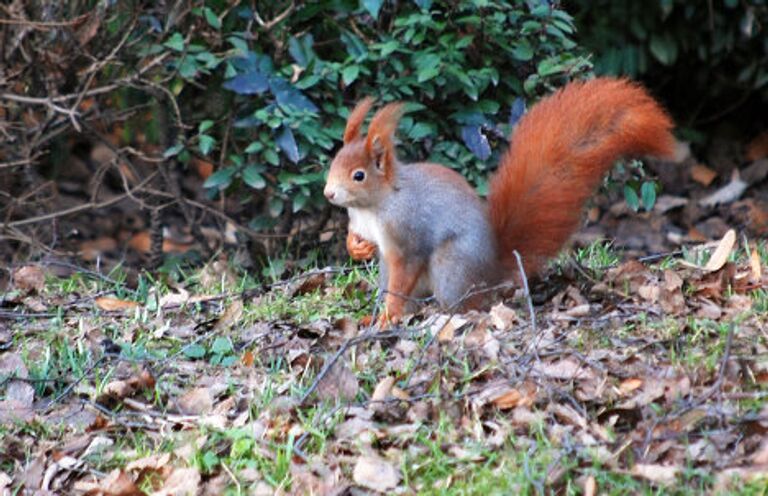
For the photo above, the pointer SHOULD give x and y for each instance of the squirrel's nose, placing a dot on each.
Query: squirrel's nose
(329, 193)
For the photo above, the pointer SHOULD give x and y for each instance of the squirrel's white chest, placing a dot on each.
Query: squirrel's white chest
(365, 223)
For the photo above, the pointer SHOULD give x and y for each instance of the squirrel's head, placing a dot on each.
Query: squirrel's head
(363, 170)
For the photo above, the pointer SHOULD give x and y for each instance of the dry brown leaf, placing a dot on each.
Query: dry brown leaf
(120, 389)
(94, 248)
(29, 278)
(339, 383)
(383, 389)
(755, 266)
(310, 284)
(758, 147)
(33, 473)
(722, 252)
(725, 479)
(502, 317)
(590, 486)
(177, 299)
(204, 168)
(445, 327)
(181, 482)
(248, 358)
(567, 369)
(703, 174)
(629, 385)
(375, 473)
(18, 394)
(231, 316)
(728, 193)
(142, 243)
(5, 482)
(197, 401)
(117, 483)
(113, 304)
(671, 297)
(665, 203)
(658, 474)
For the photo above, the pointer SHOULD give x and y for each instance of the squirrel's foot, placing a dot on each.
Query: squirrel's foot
(359, 248)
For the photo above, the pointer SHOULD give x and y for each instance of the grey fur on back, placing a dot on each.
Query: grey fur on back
(448, 230)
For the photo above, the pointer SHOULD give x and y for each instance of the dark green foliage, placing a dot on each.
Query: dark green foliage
(285, 88)
(705, 58)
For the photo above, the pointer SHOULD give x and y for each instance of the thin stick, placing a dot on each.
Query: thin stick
(527, 290)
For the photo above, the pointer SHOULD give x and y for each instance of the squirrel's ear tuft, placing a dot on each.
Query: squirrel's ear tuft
(356, 118)
(380, 141)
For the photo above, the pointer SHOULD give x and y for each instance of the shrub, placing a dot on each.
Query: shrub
(705, 58)
(255, 97)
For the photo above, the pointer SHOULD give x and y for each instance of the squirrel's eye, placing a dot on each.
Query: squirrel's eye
(358, 176)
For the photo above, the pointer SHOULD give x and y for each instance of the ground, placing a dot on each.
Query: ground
(613, 378)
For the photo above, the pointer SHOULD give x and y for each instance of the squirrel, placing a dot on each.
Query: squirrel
(432, 232)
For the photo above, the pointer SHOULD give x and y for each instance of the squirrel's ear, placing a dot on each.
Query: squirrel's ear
(355, 119)
(380, 141)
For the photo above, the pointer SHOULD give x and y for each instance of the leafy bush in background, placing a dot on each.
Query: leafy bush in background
(705, 58)
(286, 85)
(253, 98)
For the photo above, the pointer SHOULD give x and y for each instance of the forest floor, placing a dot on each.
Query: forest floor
(636, 378)
(620, 373)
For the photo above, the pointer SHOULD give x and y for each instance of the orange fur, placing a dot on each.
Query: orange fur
(356, 118)
(380, 142)
(557, 157)
(403, 277)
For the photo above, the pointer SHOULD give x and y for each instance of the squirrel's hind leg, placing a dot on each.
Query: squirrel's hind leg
(459, 274)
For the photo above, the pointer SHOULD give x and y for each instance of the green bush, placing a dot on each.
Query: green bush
(465, 67)
(705, 58)
(258, 92)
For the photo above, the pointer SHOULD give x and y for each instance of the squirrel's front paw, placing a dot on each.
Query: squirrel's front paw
(359, 248)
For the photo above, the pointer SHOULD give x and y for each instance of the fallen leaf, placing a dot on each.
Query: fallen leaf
(120, 389)
(383, 389)
(231, 316)
(338, 384)
(671, 298)
(659, 474)
(728, 193)
(755, 265)
(703, 174)
(445, 326)
(93, 248)
(722, 252)
(758, 147)
(113, 304)
(502, 317)
(310, 284)
(181, 482)
(5, 482)
(665, 203)
(629, 385)
(375, 473)
(590, 486)
(117, 483)
(197, 401)
(29, 278)
(32, 477)
(142, 243)
(177, 299)
(567, 369)
(726, 479)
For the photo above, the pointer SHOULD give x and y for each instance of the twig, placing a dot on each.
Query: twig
(80, 208)
(371, 335)
(524, 277)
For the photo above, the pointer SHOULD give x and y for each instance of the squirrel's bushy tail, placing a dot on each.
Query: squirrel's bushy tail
(557, 157)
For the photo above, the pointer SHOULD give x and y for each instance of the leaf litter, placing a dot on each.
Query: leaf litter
(657, 374)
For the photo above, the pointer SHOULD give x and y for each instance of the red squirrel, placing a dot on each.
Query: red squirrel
(434, 235)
